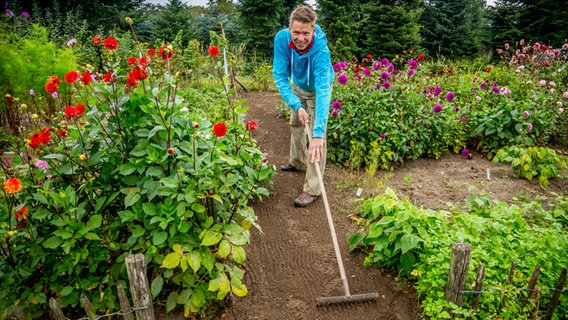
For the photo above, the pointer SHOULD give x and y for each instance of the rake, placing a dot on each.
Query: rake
(347, 297)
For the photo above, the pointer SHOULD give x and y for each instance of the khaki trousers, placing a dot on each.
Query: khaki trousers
(299, 153)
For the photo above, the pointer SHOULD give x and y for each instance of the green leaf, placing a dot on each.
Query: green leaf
(131, 199)
(156, 286)
(127, 169)
(66, 291)
(154, 171)
(224, 249)
(194, 259)
(239, 255)
(238, 288)
(408, 242)
(159, 237)
(171, 303)
(171, 260)
(211, 237)
(95, 222)
(92, 236)
(52, 242)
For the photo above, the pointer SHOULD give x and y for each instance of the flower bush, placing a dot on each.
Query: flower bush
(412, 107)
(132, 162)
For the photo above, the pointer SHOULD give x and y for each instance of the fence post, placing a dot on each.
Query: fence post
(556, 295)
(17, 313)
(88, 306)
(458, 272)
(509, 281)
(139, 286)
(124, 304)
(57, 313)
(532, 283)
(478, 286)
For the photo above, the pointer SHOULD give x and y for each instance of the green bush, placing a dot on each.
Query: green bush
(134, 163)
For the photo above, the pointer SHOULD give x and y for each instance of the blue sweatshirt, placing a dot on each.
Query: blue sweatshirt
(311, 72)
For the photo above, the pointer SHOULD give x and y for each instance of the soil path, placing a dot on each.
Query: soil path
(292, 262)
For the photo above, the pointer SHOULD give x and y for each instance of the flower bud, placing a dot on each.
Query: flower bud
(196, 125)
(128, 20)
(170, 150)
(82, 157)
(264, 159)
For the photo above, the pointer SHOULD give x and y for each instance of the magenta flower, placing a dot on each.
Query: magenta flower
(529, 127)
(450, 96)
(337, 67)
(465, 153)
(32, 92)
(413, 64)
(496, 90)
(367, 72)
(377, 65)
(565, 95)
(385, 62)
(357, 76)
(437, 91)
(342, 78)
(382, 137)
(390, 69)
(483, 85)
(384, 76)
(463, 117)
(410, 72)
(386, 85)
(334, 113)
(336, 105)
(437, 108)
(25, 15)
(378, 86)
(457, 109)
(42, 164)
(526, 114)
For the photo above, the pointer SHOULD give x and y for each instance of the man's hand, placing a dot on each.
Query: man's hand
(316, 150)
(303, 116)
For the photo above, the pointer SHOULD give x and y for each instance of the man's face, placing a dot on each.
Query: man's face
(302, 34)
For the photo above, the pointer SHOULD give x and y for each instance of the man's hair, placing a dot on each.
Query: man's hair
(303, 14)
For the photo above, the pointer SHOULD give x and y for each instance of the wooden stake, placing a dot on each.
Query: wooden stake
(532, 284)
(124, 303)
(139, 286)
(88, 306)
(509, 281)
(478, 286)
(57, 313)
(560, 283)
(458, 273)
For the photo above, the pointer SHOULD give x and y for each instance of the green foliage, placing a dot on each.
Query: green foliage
(146, 169)
(260, 21)
(418, 242)
(535, 162)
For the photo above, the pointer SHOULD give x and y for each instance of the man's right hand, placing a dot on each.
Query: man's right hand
(303, 116)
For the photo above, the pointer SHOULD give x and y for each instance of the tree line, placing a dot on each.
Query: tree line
(386, 28)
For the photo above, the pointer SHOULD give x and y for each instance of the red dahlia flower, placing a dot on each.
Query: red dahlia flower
(51, 87)
(54, 79)
(71, 77)
(213, 50)
(166, 52)
(35, 140)
(151, 52)
(220, 129)
(22, 213)
(107, 77)
(144, 61)
(86, 78)
(111, 44)
(251, 125)
(96, 41)
(132, 60)
(421, 57)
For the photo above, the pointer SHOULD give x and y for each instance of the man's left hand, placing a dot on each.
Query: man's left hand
(316, 150)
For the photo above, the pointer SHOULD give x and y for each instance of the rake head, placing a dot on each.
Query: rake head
(325, 301)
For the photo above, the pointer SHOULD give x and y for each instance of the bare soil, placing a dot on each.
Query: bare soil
(291, 261)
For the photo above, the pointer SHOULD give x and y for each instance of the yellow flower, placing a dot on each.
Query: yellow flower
(35, 116)
(89, 66)
(24, 106)
(82, 157)
(11, 233)
(414, 273)
(8, 95)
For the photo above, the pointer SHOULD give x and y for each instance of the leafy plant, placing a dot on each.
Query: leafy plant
(131, 165)
(536, 162)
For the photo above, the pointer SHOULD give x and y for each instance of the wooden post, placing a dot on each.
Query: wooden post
(124, 303)
(88, 306)
(509, 281)
(17, 313)
(139, 286)
(532, 284)
(560, 283)
(57, 313)
(458, 272)
(478, 286)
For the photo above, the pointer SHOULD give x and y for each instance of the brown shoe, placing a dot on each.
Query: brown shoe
(288, 167)
(304, 199)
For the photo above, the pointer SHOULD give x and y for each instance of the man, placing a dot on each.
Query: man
(303, 74)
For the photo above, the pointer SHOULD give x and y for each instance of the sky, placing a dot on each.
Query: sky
(204, 2)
